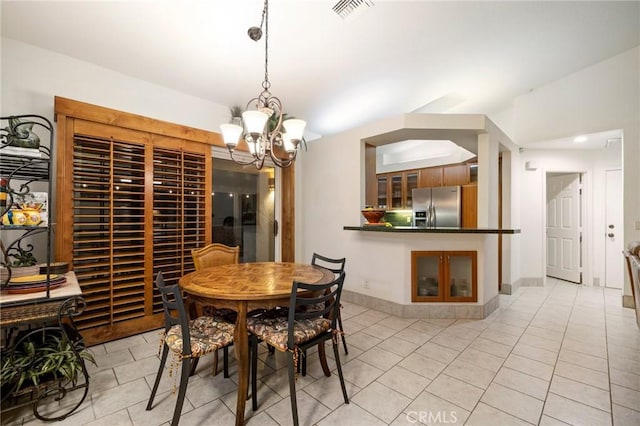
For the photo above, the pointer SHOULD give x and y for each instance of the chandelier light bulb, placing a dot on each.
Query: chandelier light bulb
(231, 134)
(294, 128)
(254, 121)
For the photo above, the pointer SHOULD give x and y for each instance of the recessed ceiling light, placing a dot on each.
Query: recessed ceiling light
(580, 139)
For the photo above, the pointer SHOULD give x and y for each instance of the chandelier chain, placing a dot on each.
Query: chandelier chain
(265, 20)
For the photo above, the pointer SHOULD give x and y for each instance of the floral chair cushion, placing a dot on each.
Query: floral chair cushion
(274, 331)
(207, 334)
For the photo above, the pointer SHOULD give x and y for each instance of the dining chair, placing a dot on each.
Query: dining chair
(187, 340)
(301, 329)
(336, 266)
(214, 255)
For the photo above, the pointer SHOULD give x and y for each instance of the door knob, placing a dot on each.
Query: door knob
(610, 235)
(611, 226)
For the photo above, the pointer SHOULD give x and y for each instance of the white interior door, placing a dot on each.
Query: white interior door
(614, 260)
(564, 227)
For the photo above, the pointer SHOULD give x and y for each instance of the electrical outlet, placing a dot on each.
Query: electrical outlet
(366, 283)
(596, 281)
(637, 225)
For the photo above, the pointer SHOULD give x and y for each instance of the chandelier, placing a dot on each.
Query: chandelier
(263, 128)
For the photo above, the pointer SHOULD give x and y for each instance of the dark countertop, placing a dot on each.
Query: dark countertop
(414, 230)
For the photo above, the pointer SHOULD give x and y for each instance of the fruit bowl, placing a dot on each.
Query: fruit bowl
(373, 215)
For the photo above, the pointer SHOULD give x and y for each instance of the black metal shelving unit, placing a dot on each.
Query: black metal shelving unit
(33, 323)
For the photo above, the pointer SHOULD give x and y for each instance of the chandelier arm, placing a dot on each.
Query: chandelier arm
(282, 163)
(243, 163)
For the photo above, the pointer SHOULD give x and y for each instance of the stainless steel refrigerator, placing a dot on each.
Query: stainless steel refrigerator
(437, 207)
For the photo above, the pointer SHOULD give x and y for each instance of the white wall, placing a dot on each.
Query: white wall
(593, 164)
(31, 77)
(605, 96)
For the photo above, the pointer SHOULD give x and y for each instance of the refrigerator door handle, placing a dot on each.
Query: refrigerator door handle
(433, 215)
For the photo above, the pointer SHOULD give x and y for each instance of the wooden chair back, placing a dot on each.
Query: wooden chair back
(215, 254)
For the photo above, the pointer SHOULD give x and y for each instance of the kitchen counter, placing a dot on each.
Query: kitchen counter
(414, 230)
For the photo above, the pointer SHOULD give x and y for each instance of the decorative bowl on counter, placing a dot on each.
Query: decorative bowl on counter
(373, 215)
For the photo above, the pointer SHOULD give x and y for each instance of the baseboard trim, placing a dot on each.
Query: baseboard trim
(424, 310)
(627, 301)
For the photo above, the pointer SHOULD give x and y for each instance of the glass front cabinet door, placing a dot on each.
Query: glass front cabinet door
(382, 191)
(444, 276)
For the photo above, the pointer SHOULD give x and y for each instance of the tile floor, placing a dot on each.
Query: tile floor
(553, 355)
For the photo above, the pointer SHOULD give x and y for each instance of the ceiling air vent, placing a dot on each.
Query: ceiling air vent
(344, 8)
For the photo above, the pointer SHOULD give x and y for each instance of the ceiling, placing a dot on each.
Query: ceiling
(396, 57)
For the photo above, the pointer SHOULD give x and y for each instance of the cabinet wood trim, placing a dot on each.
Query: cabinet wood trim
(444, 276)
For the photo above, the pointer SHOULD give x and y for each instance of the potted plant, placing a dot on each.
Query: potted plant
(24, 263)
(42, 363)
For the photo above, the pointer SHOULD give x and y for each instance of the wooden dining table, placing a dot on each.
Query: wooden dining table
(244, 287)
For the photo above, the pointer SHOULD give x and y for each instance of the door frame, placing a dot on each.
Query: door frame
(585, 219)
(621, 230)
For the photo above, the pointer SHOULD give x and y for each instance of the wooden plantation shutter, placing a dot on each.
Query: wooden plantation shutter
(179, 206)
(129, 203)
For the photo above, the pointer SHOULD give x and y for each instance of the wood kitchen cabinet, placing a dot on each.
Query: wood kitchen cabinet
(456, 174)
(395, 189)
(444, 276)
(469, 201)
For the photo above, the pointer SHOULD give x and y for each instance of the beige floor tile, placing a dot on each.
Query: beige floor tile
(456, 391)
(507, 328)
(422, 365)
(583, 393)
(584, 360)
(426, 327)
(582, 374)
(550, 421)
(477, 376)
(438, 352)
(517, 404)
(625, 397)
(162, 411)
(121, 418)
(120, 397)
(529, 366)
(491, 347)
(404, 381)
(485, 415)
(428, 408)
(623, 416)
(624, 362)
(522, 382)
(539, 354)
(360, 373)
(381, 401)
(398, 346)
(414, 336)
(204, 414)
(137, 369)
(309, 410)
(350, 415)
(362, 340)
(380, 358)
(452, 342)
(379, 331)
(328, 390)
(585, 348)
(540, 342)
(575, 413)
(481, 359)
(396, 323)
(500, 337)
(625, 378)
